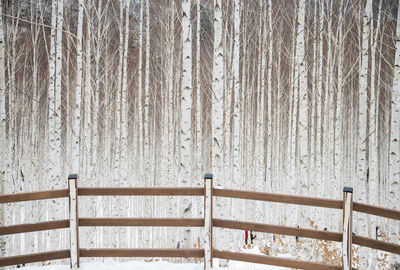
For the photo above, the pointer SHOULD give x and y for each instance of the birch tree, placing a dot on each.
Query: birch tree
(217, 101)
(269, 104)
(146, 82)
(395, 129)
(78, 90)
(51, 96)
(363, 113)
(362, 155)
(124, 102)
(339, 101)
(54, 99)
(3, 142)
(303, 99)
(199, 148)
(146, 115)
(236, 164)
(186, 113)
(217, 86)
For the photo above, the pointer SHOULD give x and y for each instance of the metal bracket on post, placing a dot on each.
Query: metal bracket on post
(208, 223)
(73, 220)
(347, 228)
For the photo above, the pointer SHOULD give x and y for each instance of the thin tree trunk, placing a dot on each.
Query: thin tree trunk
(394, 156)
(303, 180)
(3, 139)
(146, 138)
(292, 181)
(52, 152)
(338, 119)
(217, 100)
(269, 105)
(236, 110)
(362, 155)
(78, 90)
(186, 113)
(373, 127)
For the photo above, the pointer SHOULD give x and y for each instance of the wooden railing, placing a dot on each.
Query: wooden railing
(346, 237)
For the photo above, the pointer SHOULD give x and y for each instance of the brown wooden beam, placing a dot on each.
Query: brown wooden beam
(269, 197)
(377, 211)
(122, 252)
(153, 222)
(240, 225)
(37, 257)
(375, 244)
(263, 259)
(31, 196)
(140, 191)
(41, 226)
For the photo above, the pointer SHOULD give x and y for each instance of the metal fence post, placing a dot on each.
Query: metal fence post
(208, 223)
(73, 220)
(347, 227)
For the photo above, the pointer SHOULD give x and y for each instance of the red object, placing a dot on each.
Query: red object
(246, 235)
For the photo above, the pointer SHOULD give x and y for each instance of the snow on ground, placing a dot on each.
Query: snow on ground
(233, 265)
(109, 264)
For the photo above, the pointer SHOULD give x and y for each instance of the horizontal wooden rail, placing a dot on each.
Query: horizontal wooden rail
(31, 196)
(258, 227)
(37, 257)
(140, 191)
(376, 210)
(263, 259)
(372, 243)
(122, 252)
(153, 222)
(41, 226)
(269, 197)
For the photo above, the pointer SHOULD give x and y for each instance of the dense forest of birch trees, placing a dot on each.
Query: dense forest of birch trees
(298, 97)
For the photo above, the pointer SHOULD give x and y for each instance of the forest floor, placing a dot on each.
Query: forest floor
(110, 264)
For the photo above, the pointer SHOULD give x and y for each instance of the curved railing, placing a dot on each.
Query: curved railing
(346, 237)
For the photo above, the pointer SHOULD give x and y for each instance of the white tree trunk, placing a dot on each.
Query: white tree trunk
(303, 179)
(3, 140)
(186, 109)
(78, 92)
(236, 164)
(51, 153)
(326, 127)
(373, 108)
(338, 120)
(319, 97)
(125, 108)
(140, 90)
(269, 105)
(260, 181)
(291, 186)
(146, 138)
(217, 86)
(198, 97)
(54, 96)
(146, 85)
(217, 103)
(85, 148)
(362, 155)
(52, 70)
(394, 175)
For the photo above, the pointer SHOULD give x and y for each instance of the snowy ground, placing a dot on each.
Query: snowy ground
(233, 265)
(109, 264)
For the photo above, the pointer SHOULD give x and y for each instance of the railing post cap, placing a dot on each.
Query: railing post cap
(208, 176)
(73, 176)
(348, 189)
